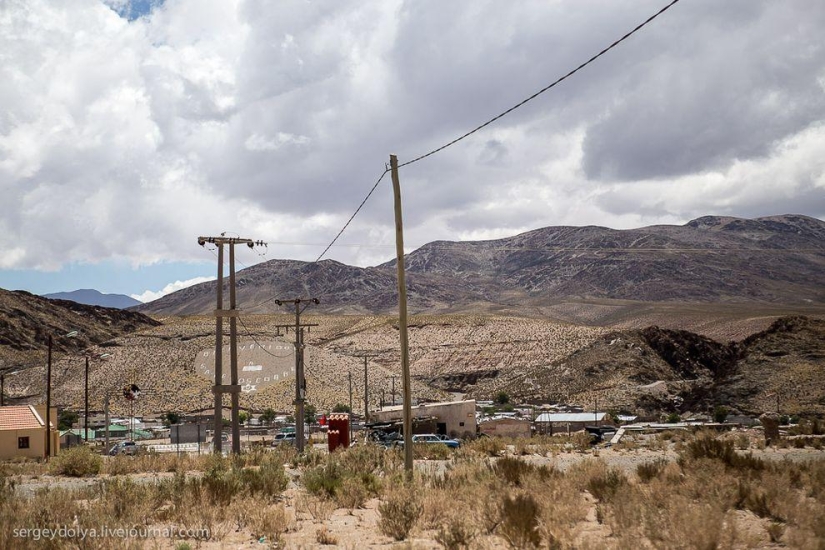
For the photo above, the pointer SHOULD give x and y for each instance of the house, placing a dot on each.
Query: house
(75, 436)
(454, 418)
(505, 427)
(550, 423)
(23, 432)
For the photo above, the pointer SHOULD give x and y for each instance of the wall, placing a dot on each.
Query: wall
(37, 443)
(459, 416)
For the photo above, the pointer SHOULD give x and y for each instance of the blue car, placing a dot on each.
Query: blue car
(433, 438)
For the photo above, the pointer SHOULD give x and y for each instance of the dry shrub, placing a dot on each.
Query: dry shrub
(76, 462)
(318, 508)
(436, 506)
(268, 480)
(323, 536)
(520, 521)
(486, 446)
(463, 474)
(456, 532)
(562, 508)
(775, 530)
(431, 451)
(270, 521)
(650, 470)
(598, 479)
(707, 445)
(513, 470)
(399, 512)
(351, 494)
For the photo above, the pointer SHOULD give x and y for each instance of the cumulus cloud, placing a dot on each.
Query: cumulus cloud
(150, 295)
(130, 128)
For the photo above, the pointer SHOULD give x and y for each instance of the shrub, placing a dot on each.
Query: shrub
(708, 446)
(76, 462)
(650, 470)
(520, 521)
(604, 484)
(720, 413)
(513, 470)
(399, 512)
(455, 533)
(324, 480)
(323, 536)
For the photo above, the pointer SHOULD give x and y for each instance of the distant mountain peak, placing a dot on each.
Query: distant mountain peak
(91, 297)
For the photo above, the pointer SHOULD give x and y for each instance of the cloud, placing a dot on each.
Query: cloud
(130, 128)
(150, 295)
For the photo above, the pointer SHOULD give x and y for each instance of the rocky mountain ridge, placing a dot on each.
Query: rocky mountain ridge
(776, 260)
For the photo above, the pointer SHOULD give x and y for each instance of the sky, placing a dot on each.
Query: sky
(128, 129)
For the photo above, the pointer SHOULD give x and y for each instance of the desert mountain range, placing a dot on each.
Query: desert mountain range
(726, 311)
(775, 260)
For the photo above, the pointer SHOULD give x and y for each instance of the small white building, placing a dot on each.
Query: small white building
(551, 423)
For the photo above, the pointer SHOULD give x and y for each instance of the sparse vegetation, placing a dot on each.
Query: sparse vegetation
(520, 498)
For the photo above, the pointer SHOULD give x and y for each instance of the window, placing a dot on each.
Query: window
(22, 442)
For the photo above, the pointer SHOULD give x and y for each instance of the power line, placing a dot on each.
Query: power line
(357, 210)
(535, 95)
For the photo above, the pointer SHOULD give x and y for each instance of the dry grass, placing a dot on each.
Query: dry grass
(713, 496)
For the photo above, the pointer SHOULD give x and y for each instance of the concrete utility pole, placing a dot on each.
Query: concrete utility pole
(402, 319)
(233, 388)
(300, 380)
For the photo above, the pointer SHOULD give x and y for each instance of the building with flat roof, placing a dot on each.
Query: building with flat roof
(454, 418)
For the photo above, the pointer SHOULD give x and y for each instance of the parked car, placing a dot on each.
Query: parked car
(129, 448)
(286, 437)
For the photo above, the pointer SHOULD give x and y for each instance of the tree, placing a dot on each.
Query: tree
(243, 416)
(309, 414)
(502, 398)
(720, 413)
(673, 418)
(171, 418)
(66, 419)
(341, 408)
(267, 416)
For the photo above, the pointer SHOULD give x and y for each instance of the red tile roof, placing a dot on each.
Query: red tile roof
(19, 417)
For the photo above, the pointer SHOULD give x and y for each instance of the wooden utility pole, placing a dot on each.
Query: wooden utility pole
(300, 379)
(86, 405)
(402, 319)
(393, 377)
(220, 388)
(49, 402)
(366, 356)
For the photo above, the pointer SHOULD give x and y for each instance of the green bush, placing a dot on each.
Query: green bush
(76, 462)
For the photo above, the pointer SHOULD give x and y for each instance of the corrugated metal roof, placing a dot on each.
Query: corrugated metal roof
(19, 417)
(571, 417)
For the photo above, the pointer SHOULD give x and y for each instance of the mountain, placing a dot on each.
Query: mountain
(92, 297)
(775, 260)
(26, 321)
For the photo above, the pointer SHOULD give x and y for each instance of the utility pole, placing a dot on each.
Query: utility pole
(2, 388)
(300, 380)
(233, 388)
(402, 319)
(393, 377)
(49, 402)
(366, 356)
(86, 404)
(349, 375)
(106, 420)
